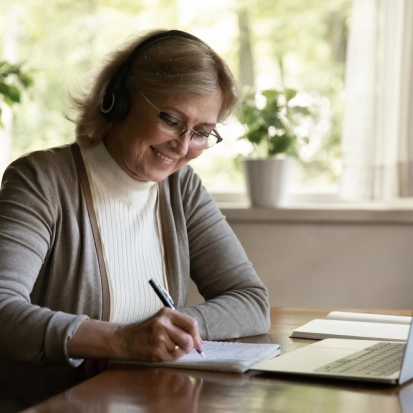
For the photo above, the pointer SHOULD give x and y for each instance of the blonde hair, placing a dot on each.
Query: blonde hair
(172, 66)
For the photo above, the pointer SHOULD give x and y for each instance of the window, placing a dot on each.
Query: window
(299, 44)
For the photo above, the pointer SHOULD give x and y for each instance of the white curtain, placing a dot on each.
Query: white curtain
(378, 123)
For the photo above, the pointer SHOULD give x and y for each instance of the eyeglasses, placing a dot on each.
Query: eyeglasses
(172, 126)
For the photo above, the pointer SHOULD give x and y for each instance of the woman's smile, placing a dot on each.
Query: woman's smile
(144, 151)
(162, 156)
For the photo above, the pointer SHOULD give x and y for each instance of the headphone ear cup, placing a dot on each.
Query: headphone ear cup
(119, 106)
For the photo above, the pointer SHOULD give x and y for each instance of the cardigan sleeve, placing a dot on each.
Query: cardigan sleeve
(236, 301)
(29, 333)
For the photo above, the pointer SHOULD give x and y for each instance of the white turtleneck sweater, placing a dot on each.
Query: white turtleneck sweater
(127, 216)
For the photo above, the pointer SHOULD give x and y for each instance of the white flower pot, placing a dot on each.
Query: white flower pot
(266, 181)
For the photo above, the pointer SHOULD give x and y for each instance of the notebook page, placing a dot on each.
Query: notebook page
(372, 318)
(222, 351)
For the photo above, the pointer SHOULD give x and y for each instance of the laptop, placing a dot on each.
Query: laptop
(361, 360)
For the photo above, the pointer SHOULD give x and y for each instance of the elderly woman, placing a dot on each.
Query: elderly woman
(84, 227)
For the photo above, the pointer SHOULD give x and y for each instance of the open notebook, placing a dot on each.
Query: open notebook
(356, 325)
(219, 356)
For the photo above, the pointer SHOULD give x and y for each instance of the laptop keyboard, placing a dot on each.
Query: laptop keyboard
(382, 359)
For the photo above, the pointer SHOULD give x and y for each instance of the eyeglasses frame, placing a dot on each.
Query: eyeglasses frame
(192, 131)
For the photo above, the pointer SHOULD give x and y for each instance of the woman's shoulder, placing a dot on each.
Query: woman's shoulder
(50, 164)
(184, 187)
(47, 157)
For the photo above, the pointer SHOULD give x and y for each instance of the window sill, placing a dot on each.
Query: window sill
(395, 212)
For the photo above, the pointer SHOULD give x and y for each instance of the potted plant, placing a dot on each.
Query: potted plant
(270, 118)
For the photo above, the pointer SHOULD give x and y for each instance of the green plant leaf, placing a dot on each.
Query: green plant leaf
(280, 144)
(290, 94)
(272, 107)
(273, 119)
(11, 93)
(257, 135)
(25, 80)
(251, 116)
(4, 69)
(14, 69)
(271, 95)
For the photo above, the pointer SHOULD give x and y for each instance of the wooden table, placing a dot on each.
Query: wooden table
(137, 389)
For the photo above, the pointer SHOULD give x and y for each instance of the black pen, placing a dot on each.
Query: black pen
(166, 299)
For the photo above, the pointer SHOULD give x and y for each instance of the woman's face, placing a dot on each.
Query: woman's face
(145, 153)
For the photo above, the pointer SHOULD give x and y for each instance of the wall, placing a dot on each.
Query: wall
(339, 259)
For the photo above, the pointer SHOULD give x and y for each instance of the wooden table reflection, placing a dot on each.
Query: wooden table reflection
(125, 389)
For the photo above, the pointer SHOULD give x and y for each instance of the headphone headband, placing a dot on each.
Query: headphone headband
(116, 101)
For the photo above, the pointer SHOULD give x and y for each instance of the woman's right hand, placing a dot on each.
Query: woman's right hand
(165, 336)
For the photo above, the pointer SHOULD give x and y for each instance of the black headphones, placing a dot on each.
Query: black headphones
(116, 100)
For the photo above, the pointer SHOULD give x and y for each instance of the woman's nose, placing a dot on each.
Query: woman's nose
(181, 144)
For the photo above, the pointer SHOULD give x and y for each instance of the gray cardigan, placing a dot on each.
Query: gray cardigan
(49, 273)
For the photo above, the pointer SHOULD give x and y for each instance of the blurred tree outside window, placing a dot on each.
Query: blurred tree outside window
(299, 44)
